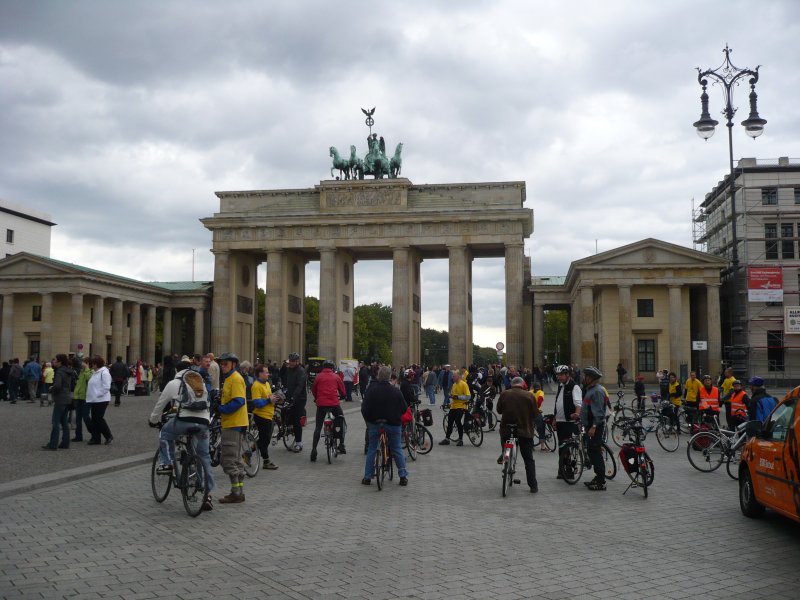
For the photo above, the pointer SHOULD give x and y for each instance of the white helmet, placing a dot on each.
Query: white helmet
(562, 369)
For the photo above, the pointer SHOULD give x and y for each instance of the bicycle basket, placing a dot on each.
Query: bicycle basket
(427, 417)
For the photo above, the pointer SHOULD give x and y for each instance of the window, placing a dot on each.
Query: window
(644, 307)
(769, 196)
(787, 245)
(797, 195)
(646, 353)
(771, 241)
(34, 347)
(780, 421)
(9, 236)
(775, 353)
(37, 312)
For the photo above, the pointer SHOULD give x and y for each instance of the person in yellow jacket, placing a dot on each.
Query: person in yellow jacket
(234, 422)
(459, 401)
(263, 413)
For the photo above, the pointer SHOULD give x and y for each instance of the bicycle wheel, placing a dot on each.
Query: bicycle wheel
(475, 434)
(705, 451)
(288, 436)
(491, 420)
(650, 469)
(410, 438)
(618, 432)
(684, 420)
(550, 438)
(424, 440)
(506, 472)
(328, 449)
(379, 458)
(609, 461)
(733, 459)
(193, 486)
(251, 456)
(215, 447)
(571, 462)
(160, 483)
(650, 419)
(668, 436)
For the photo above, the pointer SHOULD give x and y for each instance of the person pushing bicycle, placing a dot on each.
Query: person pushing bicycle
(519, 407)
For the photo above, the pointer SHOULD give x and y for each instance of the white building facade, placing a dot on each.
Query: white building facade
(24, 230)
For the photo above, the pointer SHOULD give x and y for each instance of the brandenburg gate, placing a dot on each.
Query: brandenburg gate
(339, 222)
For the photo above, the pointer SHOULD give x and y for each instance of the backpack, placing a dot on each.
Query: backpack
(192, 394)
(764, 407)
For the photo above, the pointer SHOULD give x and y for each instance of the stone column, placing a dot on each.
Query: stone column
(149, 346)
(514, 331)
(199, 343)
(136, 332)
(460, 311)
(586, 327)
(538, 334)
(275, 305)
(166, 346)
(625, 330)
(46, 328)
(98, 329)
(221, 321)
(118, 330)
(401, 311)
(7, 328)
(714, 328)
(675, 329)
(327, 303)
(76, 323)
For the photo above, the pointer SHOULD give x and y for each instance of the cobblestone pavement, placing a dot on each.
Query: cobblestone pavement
(312, 531)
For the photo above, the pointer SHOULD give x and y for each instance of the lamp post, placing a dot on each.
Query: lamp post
(727, 75)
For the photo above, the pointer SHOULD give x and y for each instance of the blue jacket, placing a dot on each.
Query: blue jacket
(32, 371)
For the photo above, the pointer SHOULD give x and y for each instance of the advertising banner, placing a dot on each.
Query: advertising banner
(792, 319)
(765, 284)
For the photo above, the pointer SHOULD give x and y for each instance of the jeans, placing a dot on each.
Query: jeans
(175, 428)
(99, 426)
(13, 389)
(431, 391)
(60, 421)
(33, 387)
(81, 417)
(594, 447)
(395, 446)
(336, 411)
(348, 391)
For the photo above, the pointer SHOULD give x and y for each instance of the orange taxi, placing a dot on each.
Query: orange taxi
(769, 472)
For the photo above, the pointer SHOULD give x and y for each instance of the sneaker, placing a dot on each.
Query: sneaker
(269, 465)
(366, 481)
(444, 443)
(314, 455)
(232, 499)
(76, 439)
(47, 447)
(535, 489)
(297, 448)
(109, 440)
(460, 443)
(597, 486)
(404, 481)
(500, 460)
(559, 476)
(207, 505)
(164, 469)
(342, 450)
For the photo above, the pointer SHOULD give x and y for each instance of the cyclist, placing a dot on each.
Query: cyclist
(638, 391)
(593, 417)
(234, 422)
(263, 412)
(459, 395)
(691, 389)
(738, 401)
(675, 399)
(518, 407)
(184, 422)
(384, 402)
(538, 395)
(567, 408)
(327, 389)
(296, 395)
(407, 387)
(708, 397)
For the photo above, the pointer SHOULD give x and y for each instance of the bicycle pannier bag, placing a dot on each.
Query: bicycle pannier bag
(427, 417)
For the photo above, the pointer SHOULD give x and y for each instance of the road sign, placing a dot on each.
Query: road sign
(499, 346)
(80, 346)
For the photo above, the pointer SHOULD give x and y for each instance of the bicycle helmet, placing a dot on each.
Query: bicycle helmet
(328, 365)
(294, 356)
(410, 374)
(229, 356)
(562, 369)
(593, 372)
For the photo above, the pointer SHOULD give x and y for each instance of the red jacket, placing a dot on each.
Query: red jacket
(327, 388)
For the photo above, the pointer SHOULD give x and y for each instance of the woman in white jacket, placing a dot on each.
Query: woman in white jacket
(98, 395)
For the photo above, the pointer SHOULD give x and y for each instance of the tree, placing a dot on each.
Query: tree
(556, 338)
(372, 332)
(312, 327)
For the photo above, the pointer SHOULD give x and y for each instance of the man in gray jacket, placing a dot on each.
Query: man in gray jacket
(593, 417)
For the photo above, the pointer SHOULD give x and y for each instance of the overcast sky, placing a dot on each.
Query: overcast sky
(121, 119)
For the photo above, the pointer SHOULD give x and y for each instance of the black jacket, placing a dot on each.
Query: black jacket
(63, 381)
(119, 372)
(383, 401)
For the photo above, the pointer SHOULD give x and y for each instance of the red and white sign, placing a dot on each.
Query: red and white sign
(765, 284)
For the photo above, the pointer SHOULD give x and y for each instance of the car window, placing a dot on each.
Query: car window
(781, 421)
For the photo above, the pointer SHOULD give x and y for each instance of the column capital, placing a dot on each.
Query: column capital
(673, 286)
(624, 285)
(514, 244)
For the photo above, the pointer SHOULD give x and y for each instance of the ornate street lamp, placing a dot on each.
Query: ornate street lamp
(727, 76)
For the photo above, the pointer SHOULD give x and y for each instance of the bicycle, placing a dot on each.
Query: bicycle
(550, 439)
(707, 449)
(484, 399)
(383, 456)
(187, 475)
(575, 452)
(331, 439)
(251, 456)
(510, 453)
(424, 441)
(635, 460)
(284, 430)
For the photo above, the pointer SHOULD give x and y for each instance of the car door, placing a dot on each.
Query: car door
(791, 463)
(773, 486)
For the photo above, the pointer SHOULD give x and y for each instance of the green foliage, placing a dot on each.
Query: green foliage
(261, 301)
(312, 326)
(372, 332)
(434, 347)
(556, 338)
